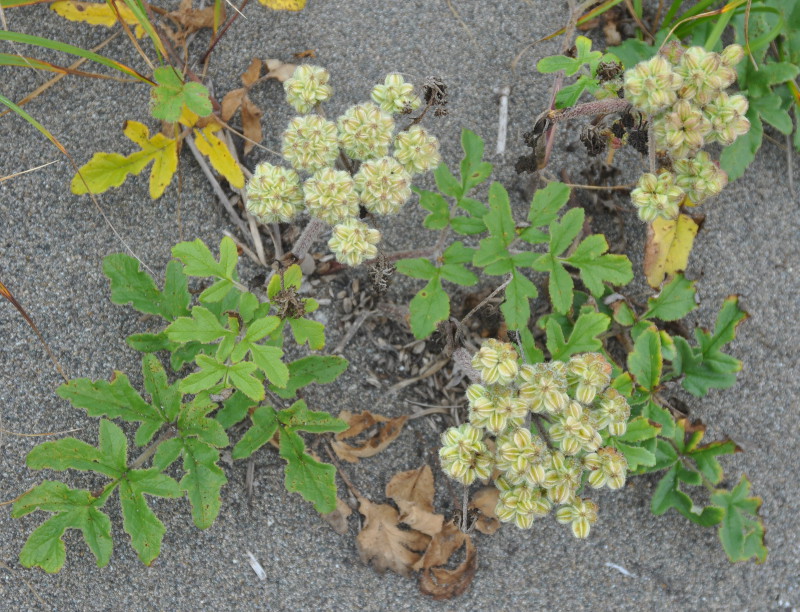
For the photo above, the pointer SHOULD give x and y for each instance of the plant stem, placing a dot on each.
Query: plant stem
(651, 146)
(606, 106)
(168, 433)
(310, 233)
(485, 300)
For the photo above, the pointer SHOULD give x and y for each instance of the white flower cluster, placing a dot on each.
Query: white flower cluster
(312, 144)
(536, 470)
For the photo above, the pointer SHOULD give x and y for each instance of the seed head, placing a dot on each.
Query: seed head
(699, 177)
(309, 143)
(497, 362)
(657, 196)
(651, 86)
(354, 241)
(365, 131)
(395, 95)
(307, 87)
(331, 196)
(383, 185)
(417, 150)
(274, 194)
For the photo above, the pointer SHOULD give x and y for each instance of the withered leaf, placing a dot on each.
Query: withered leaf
(307, 53)
(252, 73)
(485, 500)
(191, 19)
(413, 492)
(251, 124)
(383, 545)
(438, 581)
(276, 69)
(338, 518)
(387, 430)
(231, 102)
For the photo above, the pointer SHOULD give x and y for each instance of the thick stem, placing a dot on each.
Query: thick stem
(606, 106)
(651, 147)
(310, 233)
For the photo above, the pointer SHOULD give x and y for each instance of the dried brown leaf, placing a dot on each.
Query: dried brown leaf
(383, 545)
(420, 519)
(413, 486)
(192, 19)
(485, 501)
(231, 102)
(438, 581)
(338, 518)
(307, 53)
(252, 73)
(276, 69)
(251, 124)
(388, 430)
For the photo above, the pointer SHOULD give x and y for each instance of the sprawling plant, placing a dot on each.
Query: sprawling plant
(235, 342)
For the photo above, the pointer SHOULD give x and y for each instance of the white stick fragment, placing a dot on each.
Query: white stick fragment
(251, 559)
(502, 126)
(620, 569)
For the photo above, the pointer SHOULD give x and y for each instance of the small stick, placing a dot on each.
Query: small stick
(485, 300)
(245, 249)
(256, 236)
(354, 327)
(338, 466)
(276, 238)
(237, 220)
(502, 125)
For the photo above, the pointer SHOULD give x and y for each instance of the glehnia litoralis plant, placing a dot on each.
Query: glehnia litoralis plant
(549, 421)
(235, 341)
(361, 139)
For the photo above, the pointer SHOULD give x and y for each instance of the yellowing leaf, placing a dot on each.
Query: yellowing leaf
(219, 155)
(284, 5)
(96, 13)
(106, 170)
(668, 246)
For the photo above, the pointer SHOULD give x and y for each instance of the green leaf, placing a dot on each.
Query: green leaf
(596, 268)
(447, 183)
(741, 531)
(203, 480)
(563, 232)
(668, 495)
(706, 458)
(675, 301)
(193, 421)
(582, 339)
(458, 274)
(636, 455)
(172, 94)
(467, 226)
(547, 202)
(475, 208)
(202, 326)
(417, 268)
(73, 509)
(645, 361)
(516, 308)
(493, 256)
(706, 366)
(569, 95)
(150, 343)
(559, 283)
(299, 418)
(306, 330)
(737, 157)
(268, 360)
(116, 400)
(265, 423)
(438, 207)
(312, 369)
(760, 82)
(499, 220)
(199, 261)
(211, 372)
(772, 111)
(430, 306)
(457, 253)
(533, 354)
(165, 398)
(234, 410)
(138, 520)
(241, 376)
(315, 481)
(639, 429)
(473, 170)
(131, 285)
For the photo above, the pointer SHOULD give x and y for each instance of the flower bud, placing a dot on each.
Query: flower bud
(274, 194)
(650, 86)
(383, 185)
(365, 131)
(353, 242)
(497, 362)
(395, 95)
(331, 196)
(310, 143)
(307, 87)
(657, 196)
(582, 514)
(699, 177)
(417, 150)
(682, 130)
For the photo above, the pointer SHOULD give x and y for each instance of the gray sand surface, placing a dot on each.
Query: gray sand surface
(52, 243)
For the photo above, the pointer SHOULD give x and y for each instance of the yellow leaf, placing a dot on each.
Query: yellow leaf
(96, 13)
(284, 5)
(668, 246)
(106, 170)
(219, 155)
(188, 117)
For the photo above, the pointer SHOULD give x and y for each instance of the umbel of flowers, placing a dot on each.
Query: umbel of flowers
(312, 145)
(549, 422)
(684, 93)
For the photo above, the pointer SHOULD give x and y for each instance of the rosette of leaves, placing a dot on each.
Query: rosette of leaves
(235, 343)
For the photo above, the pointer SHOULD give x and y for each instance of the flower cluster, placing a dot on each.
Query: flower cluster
(550, 422)
(313, 144)
(683, 92)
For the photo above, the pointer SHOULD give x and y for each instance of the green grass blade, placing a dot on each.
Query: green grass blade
(8, 59)
(46, 43)
(137, 8)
